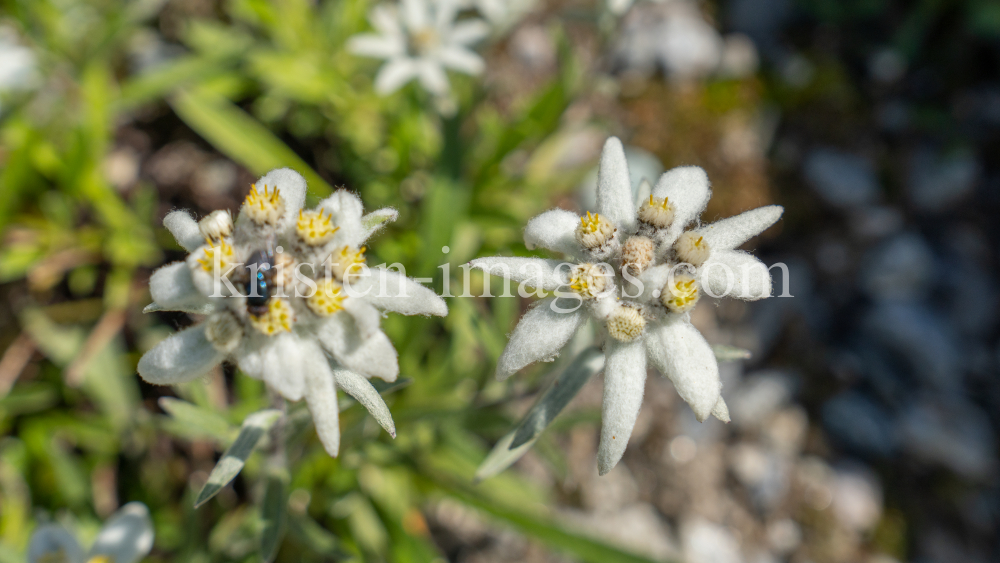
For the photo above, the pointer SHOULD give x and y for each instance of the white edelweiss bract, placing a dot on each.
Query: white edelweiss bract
(126, 537)
(420, 39)
(643, 302)
(288, 295)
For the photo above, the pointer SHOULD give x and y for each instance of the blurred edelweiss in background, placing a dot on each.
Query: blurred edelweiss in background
(127, 537)
(624, 243)
(420, 39)
(18, 64)
(304, 312)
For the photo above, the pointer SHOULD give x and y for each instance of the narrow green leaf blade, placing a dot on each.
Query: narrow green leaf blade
(232, 462)
(725, 353)
(241, 137)
(273, 515)
(192, 421)
(558, 395)
(502, 456)
(375, 220)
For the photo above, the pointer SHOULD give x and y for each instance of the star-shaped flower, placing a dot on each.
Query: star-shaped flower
(288, 298)
(420, 39)
(637, 272)
(126, 537)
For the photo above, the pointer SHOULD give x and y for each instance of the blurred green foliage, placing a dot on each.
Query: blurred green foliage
(82, 434)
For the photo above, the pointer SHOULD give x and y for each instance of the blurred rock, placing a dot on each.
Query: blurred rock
(956, 435)
(784, 536)
(637, 528)
(705, 541)
(534, 47)
(764, 474)
(920, 339)
(841, 179)
(760, 19)
(900, 268)
(760, 395)
(876, 221)
(860, 424)
(937, 183)
(739, 56)
(857, 497)
(887, 65)
(785, 431)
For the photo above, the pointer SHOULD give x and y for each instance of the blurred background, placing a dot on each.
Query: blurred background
(864, 425)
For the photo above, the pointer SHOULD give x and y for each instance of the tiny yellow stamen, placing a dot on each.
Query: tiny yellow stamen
(328, 299)
(692, 248)
(594, 231)
(682, 295)
(626, 324)
(589, 280)
(221, 250)
(347, 261)
(658, 213)
(278, 318)
(315, 228)
(264, 207)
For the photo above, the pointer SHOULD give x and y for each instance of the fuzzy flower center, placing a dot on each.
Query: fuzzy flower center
(594, 231)
(637, 255)
(223, 331)
(314, 228)
(657, 212)
(589, 280)
(101, 559)
(278, 318)
(328, 299)
(626, 324)
(264, 207)
(423, 41)
(346, 261)
(692, 248)
(220, 253)
(681, 295)
(217, 225)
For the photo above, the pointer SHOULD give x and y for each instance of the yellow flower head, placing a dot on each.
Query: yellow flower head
(626, 324)
(681, 295)
(328, 299)
(314, 228)
(657, 212)
(346, 261)
(278, 318)
(220, 252)
(264, 207)
(589, 280)
(594, 231)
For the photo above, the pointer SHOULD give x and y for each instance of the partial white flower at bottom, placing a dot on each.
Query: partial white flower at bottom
(289, 299)
(420, 39)
(646, 322)
(126, 537)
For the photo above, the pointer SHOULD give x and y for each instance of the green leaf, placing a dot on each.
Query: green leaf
(574, 543)
(558, 395)
(376, 219)
(241, 137)
(725, 353)
(232, 462)
(561, 391)
(273, 515)
(151, 86)
(191, 421)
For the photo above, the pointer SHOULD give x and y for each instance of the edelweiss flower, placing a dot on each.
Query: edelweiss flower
(638, 273)
(126, 538)
(420, 41)
(288, 298)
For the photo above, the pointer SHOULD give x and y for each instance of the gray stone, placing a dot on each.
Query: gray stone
(920, 339)
(860, 424)
(954, 434)
(938, 183)
(899, 268)
(841, 179)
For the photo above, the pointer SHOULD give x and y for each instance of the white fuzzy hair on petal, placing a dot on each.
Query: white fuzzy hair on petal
(614, 187)
(539, 335)
(681, 353)
(181, 357)
(185, 229)
(357, 386)
(624, 384)
(730, 233)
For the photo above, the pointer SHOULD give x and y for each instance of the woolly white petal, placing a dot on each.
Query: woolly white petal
(376, 46)
(391, 291)
(281, 365)
(181, 357)
(345, 210)
(291, 188)
(321, 398)
(461, 59)
(680, 352)
(372, 356)
(734, 273)
(554, 230)
(172, 289)
(539, 336)
(624, 383)
(127, 537)
(415, 14)
(394, 74)
(385, 19)
(537, 272)
(730, 233)
(467, 32)
(51, 539)
(688, 191)
(652, 281)
(185, 229)
(432, 77)
(614, 187)
(357, 386)
(721, 410)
